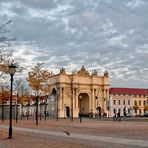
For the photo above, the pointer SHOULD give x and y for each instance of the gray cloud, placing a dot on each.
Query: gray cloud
(109, 34)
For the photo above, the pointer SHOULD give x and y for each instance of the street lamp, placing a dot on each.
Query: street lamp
(12, 70)
(2, 105)
(80, 98)
(37, 100)
(16, 117)
(45, 112)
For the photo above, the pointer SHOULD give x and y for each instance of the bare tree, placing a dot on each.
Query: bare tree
(6, 47)
(21, 94)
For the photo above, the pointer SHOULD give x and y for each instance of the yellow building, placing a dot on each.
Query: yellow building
(78, 93)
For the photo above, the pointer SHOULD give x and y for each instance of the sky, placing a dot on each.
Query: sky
(104, 35)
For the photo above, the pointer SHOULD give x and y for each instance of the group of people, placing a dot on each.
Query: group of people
(118, 116)
(100, 115)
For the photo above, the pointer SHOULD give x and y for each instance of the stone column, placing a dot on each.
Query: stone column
(95, 103)
(93, 100)
(105, 99)
(90, 100)
(75, 103)
(107, 102)
(76, 100)
(62, 97)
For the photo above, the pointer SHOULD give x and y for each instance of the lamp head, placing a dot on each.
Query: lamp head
(12, 69)
(80, 97)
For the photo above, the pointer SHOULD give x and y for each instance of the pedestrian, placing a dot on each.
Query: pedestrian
(114, 117)
(118, 116)
(124, 115)
(99, 114)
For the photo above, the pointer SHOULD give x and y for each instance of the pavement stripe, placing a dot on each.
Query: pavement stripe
(134, 142)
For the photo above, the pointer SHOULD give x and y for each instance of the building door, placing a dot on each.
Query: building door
(67, 111)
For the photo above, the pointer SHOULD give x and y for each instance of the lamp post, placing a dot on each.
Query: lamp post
(12, 70)
(28, 112)
(2, 105)
(16, 117)
(80, 98)
(37, 110)
(57, 107)
(45, 112)
(72, 97)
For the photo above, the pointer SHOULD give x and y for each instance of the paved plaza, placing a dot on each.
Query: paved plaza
(91, 133)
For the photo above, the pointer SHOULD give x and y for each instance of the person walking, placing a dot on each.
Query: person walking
(118, 116)
(114, 117)
(124, 115)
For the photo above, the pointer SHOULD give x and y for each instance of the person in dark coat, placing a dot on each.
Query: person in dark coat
(118, 116)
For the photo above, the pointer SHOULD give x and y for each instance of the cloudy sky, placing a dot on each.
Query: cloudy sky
(99, 34)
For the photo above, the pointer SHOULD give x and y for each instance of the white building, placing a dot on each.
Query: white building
(125, 99)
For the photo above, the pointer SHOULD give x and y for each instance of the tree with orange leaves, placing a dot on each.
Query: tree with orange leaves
(4, 97)
(146, 108)
(136, 107)
(37, 79)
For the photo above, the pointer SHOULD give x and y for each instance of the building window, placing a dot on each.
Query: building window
(128, 111)
(114, 102)
(123, 102)
(114, 110)
(139, 103)
(139, 111)
(119, 110)
(128, 102)
(119, 102)
(144, 102)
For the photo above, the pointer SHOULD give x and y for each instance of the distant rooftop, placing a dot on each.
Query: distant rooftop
(128, 91)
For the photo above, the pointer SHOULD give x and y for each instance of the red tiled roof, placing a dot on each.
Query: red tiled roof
(128, 91)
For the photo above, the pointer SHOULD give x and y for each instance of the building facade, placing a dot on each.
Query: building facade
(78, 93)
(133, 101)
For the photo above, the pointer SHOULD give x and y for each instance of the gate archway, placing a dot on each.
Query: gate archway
(83, 104)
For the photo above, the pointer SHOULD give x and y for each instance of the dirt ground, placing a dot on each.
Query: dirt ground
(124, 129)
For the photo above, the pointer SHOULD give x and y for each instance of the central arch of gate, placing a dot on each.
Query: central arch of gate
(83, 104)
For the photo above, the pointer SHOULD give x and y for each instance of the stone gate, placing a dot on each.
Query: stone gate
(78, 93)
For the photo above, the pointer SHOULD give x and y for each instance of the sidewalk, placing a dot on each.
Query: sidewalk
(89, 133)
